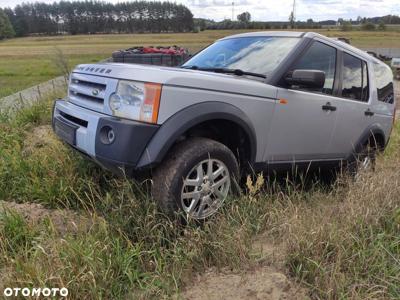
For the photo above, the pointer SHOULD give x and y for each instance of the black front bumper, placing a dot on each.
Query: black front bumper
(131, 139)
(86, 131)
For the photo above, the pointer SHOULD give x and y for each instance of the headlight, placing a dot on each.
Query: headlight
(136, 101)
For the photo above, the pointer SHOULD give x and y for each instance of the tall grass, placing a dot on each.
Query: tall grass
(340, 241)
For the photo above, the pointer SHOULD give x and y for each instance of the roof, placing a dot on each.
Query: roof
(266, 33)
(299, 34)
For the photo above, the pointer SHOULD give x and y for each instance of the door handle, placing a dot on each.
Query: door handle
(369, 113)
(328, 106)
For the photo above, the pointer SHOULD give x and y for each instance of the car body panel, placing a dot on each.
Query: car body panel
(300, 129)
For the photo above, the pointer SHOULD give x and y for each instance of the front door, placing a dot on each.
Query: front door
(304, 120)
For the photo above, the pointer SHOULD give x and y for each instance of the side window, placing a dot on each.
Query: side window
(320, 57)
(384, 83)
(355, 78)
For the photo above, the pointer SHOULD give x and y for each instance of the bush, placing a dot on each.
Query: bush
(368, 26)
(346, 26)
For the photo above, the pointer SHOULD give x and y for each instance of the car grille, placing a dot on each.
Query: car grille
(91, 92)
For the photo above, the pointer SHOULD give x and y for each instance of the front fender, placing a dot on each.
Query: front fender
(189, 117)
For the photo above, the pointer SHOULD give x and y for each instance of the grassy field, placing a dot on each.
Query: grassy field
(108, 241)
(27, 61)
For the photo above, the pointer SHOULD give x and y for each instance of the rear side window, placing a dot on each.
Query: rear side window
(323, 58)
(355, 78)
(384, 83)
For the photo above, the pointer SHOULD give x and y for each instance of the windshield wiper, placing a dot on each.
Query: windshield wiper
(237, 72)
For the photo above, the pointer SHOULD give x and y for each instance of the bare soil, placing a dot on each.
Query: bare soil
(64, 221)
(265, 281)
(40, 137)
(261, 283)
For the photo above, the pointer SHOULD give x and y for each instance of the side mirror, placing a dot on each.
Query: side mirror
(307, 78)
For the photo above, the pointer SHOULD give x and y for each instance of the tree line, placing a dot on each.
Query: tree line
(244, 22)
(86, 17)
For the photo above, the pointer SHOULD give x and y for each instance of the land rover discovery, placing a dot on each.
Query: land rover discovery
(260, 101)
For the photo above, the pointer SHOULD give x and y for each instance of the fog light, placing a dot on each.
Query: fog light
(107, 135)
(111, 136)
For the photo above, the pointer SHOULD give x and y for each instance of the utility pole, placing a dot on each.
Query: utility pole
(233, 11)
(294, 9)
(292, 17)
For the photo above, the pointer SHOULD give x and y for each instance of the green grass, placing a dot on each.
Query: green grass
(25, 62)
(340, 241)
(18, 72)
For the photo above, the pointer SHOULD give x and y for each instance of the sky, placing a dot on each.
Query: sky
(273, 10)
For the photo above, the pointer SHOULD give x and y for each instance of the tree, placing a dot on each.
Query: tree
(292, 20)
(6, 29)
(382, 25)
(244, 17)
(346, 26)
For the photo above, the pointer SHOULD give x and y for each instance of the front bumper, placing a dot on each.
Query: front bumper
(86, 131)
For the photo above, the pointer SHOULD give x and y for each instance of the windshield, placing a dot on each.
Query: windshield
(250, 54)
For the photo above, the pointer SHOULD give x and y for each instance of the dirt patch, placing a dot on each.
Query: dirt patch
(64, 221)
(262, 283)
(265, 281)
(40, 137)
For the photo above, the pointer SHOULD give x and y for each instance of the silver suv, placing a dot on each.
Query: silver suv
(262, 101)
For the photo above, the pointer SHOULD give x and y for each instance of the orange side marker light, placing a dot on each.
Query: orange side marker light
(283, 101)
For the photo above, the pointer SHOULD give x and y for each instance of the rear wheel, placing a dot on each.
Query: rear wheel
(195, 179)
(364, 161)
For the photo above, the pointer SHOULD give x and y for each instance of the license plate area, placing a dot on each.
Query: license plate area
(65, 130)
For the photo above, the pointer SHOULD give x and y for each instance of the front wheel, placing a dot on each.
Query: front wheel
(195, 179)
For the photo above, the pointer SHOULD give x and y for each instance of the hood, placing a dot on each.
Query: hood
(176, 77)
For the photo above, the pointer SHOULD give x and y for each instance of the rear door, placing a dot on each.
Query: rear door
(353, 105)
(304, 119)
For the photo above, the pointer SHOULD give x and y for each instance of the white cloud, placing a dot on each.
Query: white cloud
(271, 10)
(279, 10)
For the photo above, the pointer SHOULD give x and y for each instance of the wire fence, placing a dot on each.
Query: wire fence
(29, 96)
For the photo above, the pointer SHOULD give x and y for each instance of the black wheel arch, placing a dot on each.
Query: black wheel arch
(373, 134)
(172, 129)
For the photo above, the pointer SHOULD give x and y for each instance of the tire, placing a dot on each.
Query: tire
(364, 160)
(183, 185)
